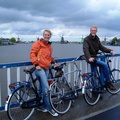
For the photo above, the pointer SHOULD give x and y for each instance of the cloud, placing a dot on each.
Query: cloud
(72, 18)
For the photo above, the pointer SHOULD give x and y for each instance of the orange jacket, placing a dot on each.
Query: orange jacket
(41, 54)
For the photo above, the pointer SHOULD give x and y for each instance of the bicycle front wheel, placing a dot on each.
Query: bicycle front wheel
(14, 109)
(58, 89)
(90, 96)
(115, 80)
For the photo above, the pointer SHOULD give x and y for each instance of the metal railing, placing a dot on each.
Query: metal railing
(13, 72)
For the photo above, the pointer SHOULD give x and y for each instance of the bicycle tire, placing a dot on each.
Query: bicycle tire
(90, 97)
(57, 91)
(115, 80)
(14, 109)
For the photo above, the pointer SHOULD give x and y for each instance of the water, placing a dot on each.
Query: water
(20, 52)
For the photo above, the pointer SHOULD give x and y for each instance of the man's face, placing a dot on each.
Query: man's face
(93, 31)
(46, 36)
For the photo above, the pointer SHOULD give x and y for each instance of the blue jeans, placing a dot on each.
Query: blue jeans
(44, 87)
(103, 69)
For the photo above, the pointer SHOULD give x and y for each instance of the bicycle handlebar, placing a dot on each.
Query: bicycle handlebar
(105, 54)
(30, 71)
(60, 67)
(82, 57)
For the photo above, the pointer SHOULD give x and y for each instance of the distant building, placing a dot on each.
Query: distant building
(117, 43)
(81, 40)
(5, 40)
(105, 42)
(66, 41)
(18, 40)
(62, 39)
(38, 38)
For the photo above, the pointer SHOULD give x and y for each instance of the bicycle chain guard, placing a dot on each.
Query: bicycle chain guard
(35, 102)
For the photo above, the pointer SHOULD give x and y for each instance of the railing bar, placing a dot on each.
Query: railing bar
(116, 63)
(18, 74)
(27, 76)
(69, 76)
(75, 74)
(8, 79)
(0, 96)
(80, 65)
(83, 66)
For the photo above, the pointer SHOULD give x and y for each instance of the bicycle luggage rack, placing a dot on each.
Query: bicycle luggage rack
(16, 84)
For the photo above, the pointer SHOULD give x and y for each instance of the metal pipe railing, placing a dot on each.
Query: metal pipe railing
(9, 75)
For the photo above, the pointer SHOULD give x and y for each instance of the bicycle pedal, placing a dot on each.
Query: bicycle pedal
(99, 91)
(73, 101)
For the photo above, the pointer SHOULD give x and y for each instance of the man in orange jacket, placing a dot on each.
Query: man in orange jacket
(41, 57)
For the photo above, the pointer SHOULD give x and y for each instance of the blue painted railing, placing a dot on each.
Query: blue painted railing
(12, 72)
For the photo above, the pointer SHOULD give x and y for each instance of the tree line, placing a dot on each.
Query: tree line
(114, 42)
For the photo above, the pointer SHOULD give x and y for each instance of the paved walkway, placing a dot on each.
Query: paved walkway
(105, 109)
(112, 114)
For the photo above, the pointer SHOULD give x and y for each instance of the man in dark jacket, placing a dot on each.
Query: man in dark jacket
(91, 46)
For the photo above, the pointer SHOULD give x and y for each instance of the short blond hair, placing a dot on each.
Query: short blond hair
(94, 26)
(48, 32)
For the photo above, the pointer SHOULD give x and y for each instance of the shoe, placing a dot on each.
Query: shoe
(53, 113)
(110, 85)
(42, 109)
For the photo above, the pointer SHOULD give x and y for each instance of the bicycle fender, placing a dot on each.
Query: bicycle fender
(6, 103)
(9, 96)
(83, 87)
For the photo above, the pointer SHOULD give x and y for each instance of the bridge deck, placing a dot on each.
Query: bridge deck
(80, 110)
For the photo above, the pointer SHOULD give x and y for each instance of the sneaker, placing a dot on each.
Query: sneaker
(42, 109)
(110, 85)
(53, 113)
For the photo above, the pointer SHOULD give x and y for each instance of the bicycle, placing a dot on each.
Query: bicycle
(63, 92)
(91, 88)
(24, 96)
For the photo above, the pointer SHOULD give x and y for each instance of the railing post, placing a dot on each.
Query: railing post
(0, 96)
(18, 74)
(8, 79)
(116, 62)
(27, 76)
(84, 67)
(69, 75)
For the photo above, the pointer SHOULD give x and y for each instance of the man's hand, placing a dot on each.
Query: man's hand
(91, 59)
(112, 52)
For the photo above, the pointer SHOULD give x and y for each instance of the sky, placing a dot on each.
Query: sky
(71, 19)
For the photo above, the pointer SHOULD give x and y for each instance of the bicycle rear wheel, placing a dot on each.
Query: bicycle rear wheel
(58, 89)
(115, 80)
(14, 109)
(90, 96)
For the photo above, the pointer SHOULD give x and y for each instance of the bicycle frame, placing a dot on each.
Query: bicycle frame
(76, 85)
(77, 75)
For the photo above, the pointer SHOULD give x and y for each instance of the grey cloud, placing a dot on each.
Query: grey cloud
(31, 16)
